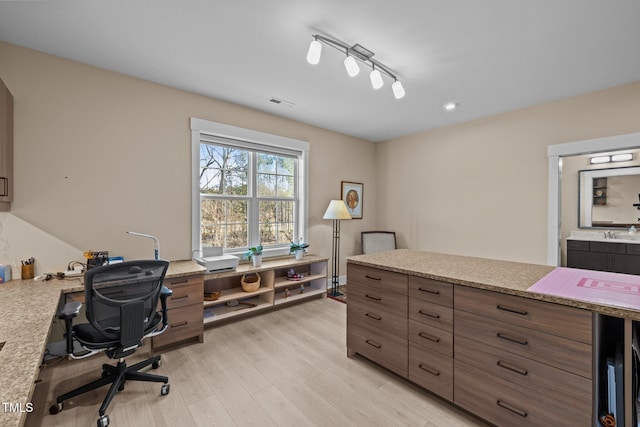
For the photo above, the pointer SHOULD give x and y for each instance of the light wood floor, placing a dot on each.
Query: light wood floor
(287, 367)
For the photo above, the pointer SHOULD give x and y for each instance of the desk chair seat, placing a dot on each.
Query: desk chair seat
(121, 305)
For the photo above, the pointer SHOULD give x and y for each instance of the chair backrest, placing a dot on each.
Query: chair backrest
(378, 241)
(122, 299)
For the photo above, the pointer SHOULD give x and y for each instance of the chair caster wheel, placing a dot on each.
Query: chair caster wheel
(103, 421)
(165, 389)
(156, 365)
(121, 387)
(54, 409)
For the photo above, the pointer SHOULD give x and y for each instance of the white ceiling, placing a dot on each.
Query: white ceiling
(490, 56)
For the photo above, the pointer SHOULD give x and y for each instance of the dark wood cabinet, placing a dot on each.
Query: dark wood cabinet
(604, 256)
(6, 148)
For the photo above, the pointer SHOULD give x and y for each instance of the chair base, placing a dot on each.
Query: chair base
(117, 376)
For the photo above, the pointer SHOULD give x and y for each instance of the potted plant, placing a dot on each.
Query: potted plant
(255, 254)
(298, 249)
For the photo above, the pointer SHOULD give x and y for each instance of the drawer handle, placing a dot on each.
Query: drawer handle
(373, 297)
(177, 325)
(515, 340)
(425, 313)
(373, 316)
(180, 297)
(373, 344)
(372, 277)
(431, 371)
(177, 282)
(510, 408)
(513, 310)
(429, 291)
(508, 367)
(428, 337)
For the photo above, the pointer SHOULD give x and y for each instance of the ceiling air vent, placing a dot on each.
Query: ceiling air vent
(279, 101)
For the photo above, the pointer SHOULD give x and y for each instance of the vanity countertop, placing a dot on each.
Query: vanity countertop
(27, 308)
(599, 236)
(507, 277)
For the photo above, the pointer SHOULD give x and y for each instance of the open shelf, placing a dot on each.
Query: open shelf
(236, 294)
(273, 283)
(283, 282)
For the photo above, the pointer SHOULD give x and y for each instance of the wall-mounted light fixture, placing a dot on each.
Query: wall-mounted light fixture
(360, 53)
(625, 157)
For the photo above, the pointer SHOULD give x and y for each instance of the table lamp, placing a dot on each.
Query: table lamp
(336, 211)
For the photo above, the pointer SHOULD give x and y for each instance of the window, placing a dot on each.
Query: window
(249, 189)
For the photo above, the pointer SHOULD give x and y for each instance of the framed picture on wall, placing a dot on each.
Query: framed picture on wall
(352, 197)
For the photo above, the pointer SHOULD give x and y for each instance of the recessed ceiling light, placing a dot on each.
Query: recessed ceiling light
(450, 106)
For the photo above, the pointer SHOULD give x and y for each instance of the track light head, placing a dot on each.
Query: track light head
(351, 65)
(376, 79)
(313, 55)
(398, 90)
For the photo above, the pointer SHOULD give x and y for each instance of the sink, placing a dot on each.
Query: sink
(599, 236)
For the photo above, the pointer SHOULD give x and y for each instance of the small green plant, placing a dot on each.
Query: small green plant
(301, 246)
(256, 250)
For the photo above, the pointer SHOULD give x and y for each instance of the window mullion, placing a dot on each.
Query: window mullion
(254, 211)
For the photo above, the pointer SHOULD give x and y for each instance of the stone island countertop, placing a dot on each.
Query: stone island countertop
(27, 308)
(514, 278)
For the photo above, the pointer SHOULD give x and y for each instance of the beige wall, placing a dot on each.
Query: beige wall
(480, 188)
(98, 153)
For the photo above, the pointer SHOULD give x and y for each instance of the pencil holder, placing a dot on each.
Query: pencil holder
(27, 271)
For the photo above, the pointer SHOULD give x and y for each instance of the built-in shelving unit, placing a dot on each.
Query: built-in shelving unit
(274, 284)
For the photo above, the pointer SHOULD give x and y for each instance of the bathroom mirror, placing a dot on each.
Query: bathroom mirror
(609, 198)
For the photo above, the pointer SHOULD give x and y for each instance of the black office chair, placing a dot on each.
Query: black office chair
(122, 308)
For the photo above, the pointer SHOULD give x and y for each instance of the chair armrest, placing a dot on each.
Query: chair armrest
(68, 313)
(70, 310)
(164, 294)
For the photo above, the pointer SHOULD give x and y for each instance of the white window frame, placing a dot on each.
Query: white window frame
(253, 140)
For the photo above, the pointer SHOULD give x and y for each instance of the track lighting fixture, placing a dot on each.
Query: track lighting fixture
(351, 65)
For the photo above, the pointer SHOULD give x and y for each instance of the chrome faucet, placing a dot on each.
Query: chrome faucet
(609, 234)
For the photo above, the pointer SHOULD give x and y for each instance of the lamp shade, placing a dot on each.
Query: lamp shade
(376, 79)
(336, 210)
(313, 55)
(351, 65)
(398, 90)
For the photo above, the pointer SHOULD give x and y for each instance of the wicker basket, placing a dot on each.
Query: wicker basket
(250, 283)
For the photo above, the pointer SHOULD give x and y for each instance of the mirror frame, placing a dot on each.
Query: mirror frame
(585, 193)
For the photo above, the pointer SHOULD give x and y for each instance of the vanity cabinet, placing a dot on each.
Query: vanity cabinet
(604, 256)
(520, 361)
(6, 148)
(184, 311)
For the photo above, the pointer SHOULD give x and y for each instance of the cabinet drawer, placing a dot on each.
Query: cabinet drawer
(186, 294)
(633, 248)
(377, 278)
(430, 290)
(505, 404)
(578, 245)
(555, 319)
(431, 338)
(376, 298)
(610, 248)
(432, 371)
(376, 317)
(184, 323)
(552, 350)
(431, 314)
(386, 349)
(557, 384)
